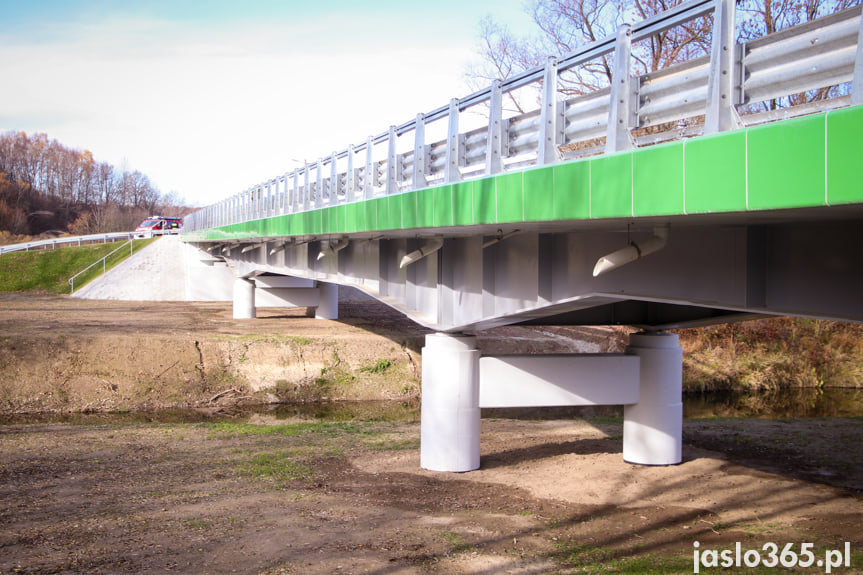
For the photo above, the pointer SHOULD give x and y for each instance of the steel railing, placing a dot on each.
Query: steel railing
(103, 261)
(74, 240)
(705, 95)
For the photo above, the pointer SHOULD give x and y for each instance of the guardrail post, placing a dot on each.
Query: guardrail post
(268, 207)
(720, 114)
(295, 198)
(305, 193)
(392, 173)
(419, 179)
(493, 162)
(334, 182)
(619, 137)
(857, 83)
(548, 117)
(451, 171)
(319, 185)
(369, 179)
(283, 195)
(350, 177)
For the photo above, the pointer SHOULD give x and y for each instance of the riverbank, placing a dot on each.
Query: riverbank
(65, 355)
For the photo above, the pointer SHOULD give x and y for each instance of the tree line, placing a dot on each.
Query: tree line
(46, 187)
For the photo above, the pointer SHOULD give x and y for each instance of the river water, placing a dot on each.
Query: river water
(786, 403)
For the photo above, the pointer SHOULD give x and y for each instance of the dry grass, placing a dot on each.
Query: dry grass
(773, 353)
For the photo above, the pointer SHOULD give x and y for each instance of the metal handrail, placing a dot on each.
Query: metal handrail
(103, 260)
(54, 242)
(704, 92)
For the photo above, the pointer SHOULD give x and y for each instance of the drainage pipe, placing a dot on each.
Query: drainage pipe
(632, 252)
(428, 248)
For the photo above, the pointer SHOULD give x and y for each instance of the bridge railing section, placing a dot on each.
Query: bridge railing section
(705, 95)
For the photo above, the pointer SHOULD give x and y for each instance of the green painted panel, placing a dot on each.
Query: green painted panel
(351, 218)
(657, 180)
(381, 208)
(715, 173)
(462, 203)
(340, 212)
(363, 216)
(510, 198)
(409, 210)
(425, 208)
(485, 201)
(786, 164)
(317, 223)
(394, 212)
(844, 166)
(611, 186)
(443, 206)
(299, 224)
(313, 225)
(325, 220)
(572, 190)
(539, 195)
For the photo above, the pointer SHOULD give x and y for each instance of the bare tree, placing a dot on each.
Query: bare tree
(562, 26)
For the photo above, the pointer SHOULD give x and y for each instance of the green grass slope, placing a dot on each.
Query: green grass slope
(49, 271)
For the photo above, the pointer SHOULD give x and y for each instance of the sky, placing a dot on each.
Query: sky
(210, 97)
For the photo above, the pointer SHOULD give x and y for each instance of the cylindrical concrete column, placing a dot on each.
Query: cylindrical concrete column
(450, 419)
(328, 304)
(653, 427)
(244, 298)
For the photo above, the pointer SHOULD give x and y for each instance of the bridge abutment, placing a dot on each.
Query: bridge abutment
(457, 383)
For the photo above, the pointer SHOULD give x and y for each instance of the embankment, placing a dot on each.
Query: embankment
(62, 354)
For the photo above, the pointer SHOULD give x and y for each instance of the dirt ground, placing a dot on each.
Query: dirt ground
(550, 497)
(301, 496)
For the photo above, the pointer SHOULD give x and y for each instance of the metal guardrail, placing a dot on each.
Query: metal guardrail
(103, 261)
(720, 87)
(74, 240)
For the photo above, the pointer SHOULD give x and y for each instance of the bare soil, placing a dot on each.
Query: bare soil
(299, 496)
(69, 355)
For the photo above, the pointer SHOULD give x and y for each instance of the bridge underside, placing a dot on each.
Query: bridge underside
(714, 270)
(764, 220)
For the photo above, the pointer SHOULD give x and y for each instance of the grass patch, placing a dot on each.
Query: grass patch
(379, 367)
(589, 559)
(198, 523)
(456, 542)
(231, 429)
(49, 270)
(393, 444)
(280, 467)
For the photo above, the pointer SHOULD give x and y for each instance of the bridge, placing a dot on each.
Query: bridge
(677, 198)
